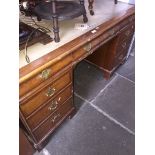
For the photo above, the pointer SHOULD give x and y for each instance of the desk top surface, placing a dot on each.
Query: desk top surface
(104, 11)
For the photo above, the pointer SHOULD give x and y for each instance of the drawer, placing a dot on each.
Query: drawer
(44, 75)
(49, 108)
(89, 47)
(119, 59)
(45, 94)
(123, 45)
(56, 118)
(79, 53)
(127, 32)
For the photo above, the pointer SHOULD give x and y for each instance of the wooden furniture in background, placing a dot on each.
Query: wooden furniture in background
(46, 84)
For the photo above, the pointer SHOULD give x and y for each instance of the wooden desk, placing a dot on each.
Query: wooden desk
(46, 84)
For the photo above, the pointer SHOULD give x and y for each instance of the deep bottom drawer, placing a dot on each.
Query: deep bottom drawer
(54, 120)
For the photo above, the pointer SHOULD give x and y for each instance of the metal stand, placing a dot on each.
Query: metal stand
(55, 22)
(60, 10)
(85, 19)
(90, 7)
(116, 1)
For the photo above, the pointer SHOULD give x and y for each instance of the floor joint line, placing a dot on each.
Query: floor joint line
(105, 114)
(125, 77)
(102, 90)
(112, 119)
(81, 97)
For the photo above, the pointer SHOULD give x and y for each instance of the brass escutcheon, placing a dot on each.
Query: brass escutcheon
(55, 117)
(53, 105)
(88, 47)
(45, 74)
(50, 91)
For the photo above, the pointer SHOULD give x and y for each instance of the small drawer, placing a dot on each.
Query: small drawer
(49, 108)
(88, 48)
(56, 118)
(119, 59)
(123, 45)
(82, 52)
(44, 75)
(79, 53)
(127, 32)
(45, 94)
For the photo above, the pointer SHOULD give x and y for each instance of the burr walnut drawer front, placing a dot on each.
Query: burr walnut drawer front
(44, 75)
(45, 94)
(51, 106)
(55, 119)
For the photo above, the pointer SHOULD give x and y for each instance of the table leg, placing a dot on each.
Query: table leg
(85, 19)
(115, 1)
(55, 22)
(90, 7)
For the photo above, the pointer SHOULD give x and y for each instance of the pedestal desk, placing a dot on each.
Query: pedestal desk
(46, 84)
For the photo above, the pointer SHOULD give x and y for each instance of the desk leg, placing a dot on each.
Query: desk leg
(90, 7)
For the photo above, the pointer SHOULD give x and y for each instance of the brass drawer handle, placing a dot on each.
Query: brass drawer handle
(50, 92)
(127, 33)
(124, 45)
(55, 118)
(53, 106)
(88, 47)
(45, 74)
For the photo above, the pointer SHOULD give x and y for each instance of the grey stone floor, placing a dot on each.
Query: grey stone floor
(105, 120)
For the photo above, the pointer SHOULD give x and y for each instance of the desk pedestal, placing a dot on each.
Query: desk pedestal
(113, 53)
